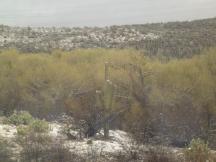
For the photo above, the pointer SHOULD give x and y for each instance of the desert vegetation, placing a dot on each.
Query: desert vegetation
(160, 104)
(169, 40)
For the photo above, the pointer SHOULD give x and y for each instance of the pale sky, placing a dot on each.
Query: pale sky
(101, 12)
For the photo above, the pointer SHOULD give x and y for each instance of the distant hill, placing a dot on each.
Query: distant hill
(174, 39)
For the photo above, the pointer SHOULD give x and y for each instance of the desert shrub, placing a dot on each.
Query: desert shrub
(5, 152)
(36, 126)
(34, 140)
(132, 151)
(60, 153)
(39, 126)
(40, 147)
(34, 146)
(160, 154)
(19, 118)
(68, 81)
(198, 151)
(136, 152)
(22, 130)
(133, 155)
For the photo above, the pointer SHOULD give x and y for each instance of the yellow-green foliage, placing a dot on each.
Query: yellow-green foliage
(39, 126)
(36, 126)
(19, 118)
(42, 83)
(198, 151)
(38, 83)
(22, 130)
(194, 77)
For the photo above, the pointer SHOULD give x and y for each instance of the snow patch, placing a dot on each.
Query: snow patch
(114, 145)
(117, 140)
(55, 129)
(8, 131)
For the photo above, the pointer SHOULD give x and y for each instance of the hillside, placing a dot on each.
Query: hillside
(174, 39)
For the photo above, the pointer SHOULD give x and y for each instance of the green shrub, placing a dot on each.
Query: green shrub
(198, 151)
(36, 131)
(22, 130)
(39, 126)
(34, 139)
(19, 118)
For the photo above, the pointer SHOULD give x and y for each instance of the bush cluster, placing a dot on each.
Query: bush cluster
(38, 146)
(19, 118)
(198, 151)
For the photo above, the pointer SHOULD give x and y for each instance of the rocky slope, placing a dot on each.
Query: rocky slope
(176, 39)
